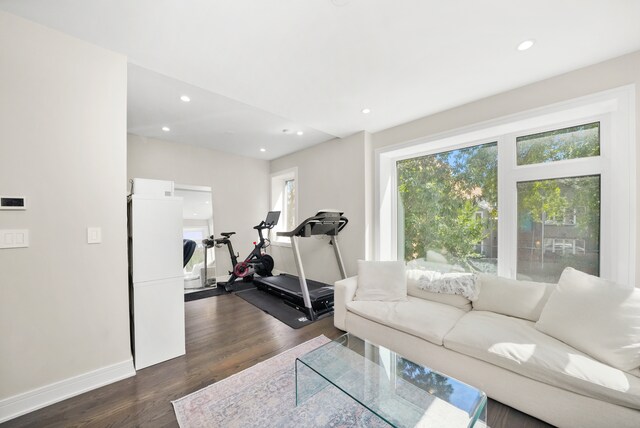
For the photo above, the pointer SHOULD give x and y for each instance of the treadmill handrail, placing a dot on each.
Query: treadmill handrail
(318, 219)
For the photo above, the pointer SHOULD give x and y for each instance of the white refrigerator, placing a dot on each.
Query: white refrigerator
(157, 279)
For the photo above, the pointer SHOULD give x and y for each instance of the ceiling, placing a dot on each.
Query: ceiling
(255, 67)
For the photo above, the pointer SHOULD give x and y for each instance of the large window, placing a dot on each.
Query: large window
(447, 209)
(558, 226)
(284, 186)
(524, 197)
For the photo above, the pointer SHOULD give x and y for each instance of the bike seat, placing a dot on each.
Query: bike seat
(227, 234)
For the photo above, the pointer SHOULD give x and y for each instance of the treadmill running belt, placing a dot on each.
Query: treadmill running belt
(291, 284)
(287, 287)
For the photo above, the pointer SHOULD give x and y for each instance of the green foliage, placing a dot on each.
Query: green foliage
(426, 379)
(567, 143)
(554, 197)
(543, 196)
(439, 195)
(459, 235)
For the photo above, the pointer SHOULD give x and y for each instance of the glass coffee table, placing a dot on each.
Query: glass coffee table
(402, 393)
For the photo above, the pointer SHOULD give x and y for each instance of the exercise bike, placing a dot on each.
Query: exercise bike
(257, 262)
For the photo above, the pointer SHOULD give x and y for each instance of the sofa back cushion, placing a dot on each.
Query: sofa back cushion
(381, 281)
(520, 299)
(413, 277)
(595, 316)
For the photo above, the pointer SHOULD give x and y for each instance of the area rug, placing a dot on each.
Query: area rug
(265, 396)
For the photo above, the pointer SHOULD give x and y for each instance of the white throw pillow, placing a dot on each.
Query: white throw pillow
(414, 275)
(381, 281)
(515, 298)
(595, 316)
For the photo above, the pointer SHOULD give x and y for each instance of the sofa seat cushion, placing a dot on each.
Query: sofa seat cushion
(428, 320)
(515, 344)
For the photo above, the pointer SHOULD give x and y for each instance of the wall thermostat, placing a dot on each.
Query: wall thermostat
(13, 203)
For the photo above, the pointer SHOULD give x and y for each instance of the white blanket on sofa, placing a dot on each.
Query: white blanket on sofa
(464, 284)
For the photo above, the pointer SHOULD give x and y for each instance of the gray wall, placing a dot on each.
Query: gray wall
(239, 185)
(63, 303)
(611, 74)
(330, 175)
(350, 163)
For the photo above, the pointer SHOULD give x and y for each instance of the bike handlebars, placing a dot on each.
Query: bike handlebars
(264, 225)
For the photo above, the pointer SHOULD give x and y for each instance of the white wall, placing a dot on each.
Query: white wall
(239, 185)
(330, 175)
(614, 73)
(341, 173)
(63, 303)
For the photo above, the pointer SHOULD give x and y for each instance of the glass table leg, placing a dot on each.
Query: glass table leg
(308, 382)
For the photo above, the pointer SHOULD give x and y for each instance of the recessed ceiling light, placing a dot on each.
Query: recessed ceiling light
(185, 98)
(525, 45)
(300, 133)
(166, 129)
(263, 150)
(366, 110)
(195, 213)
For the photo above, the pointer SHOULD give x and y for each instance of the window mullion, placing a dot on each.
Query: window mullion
(570, 168)
(507, 207)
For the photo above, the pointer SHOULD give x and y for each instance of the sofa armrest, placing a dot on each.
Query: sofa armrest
(344, 292)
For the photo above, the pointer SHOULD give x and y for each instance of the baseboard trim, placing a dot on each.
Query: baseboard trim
(21, 404)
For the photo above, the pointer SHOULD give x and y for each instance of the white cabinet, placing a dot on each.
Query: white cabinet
(158, 321)
(157, 289)
(156, 226)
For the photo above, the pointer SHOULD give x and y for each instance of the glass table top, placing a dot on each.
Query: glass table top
(399, 391)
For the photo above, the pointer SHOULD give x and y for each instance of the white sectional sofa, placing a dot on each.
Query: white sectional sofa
(498, 343)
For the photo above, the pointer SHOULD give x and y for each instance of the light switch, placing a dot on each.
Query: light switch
(14, 238)
(94, 235)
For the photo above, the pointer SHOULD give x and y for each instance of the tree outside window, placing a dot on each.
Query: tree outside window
(448, 216)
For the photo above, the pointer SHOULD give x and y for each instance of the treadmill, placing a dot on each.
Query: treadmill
(311, 297)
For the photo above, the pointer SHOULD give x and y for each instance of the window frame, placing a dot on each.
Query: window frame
(616, 165)
(277, 203)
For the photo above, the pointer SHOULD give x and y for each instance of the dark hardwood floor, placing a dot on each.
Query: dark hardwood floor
(225, 335)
